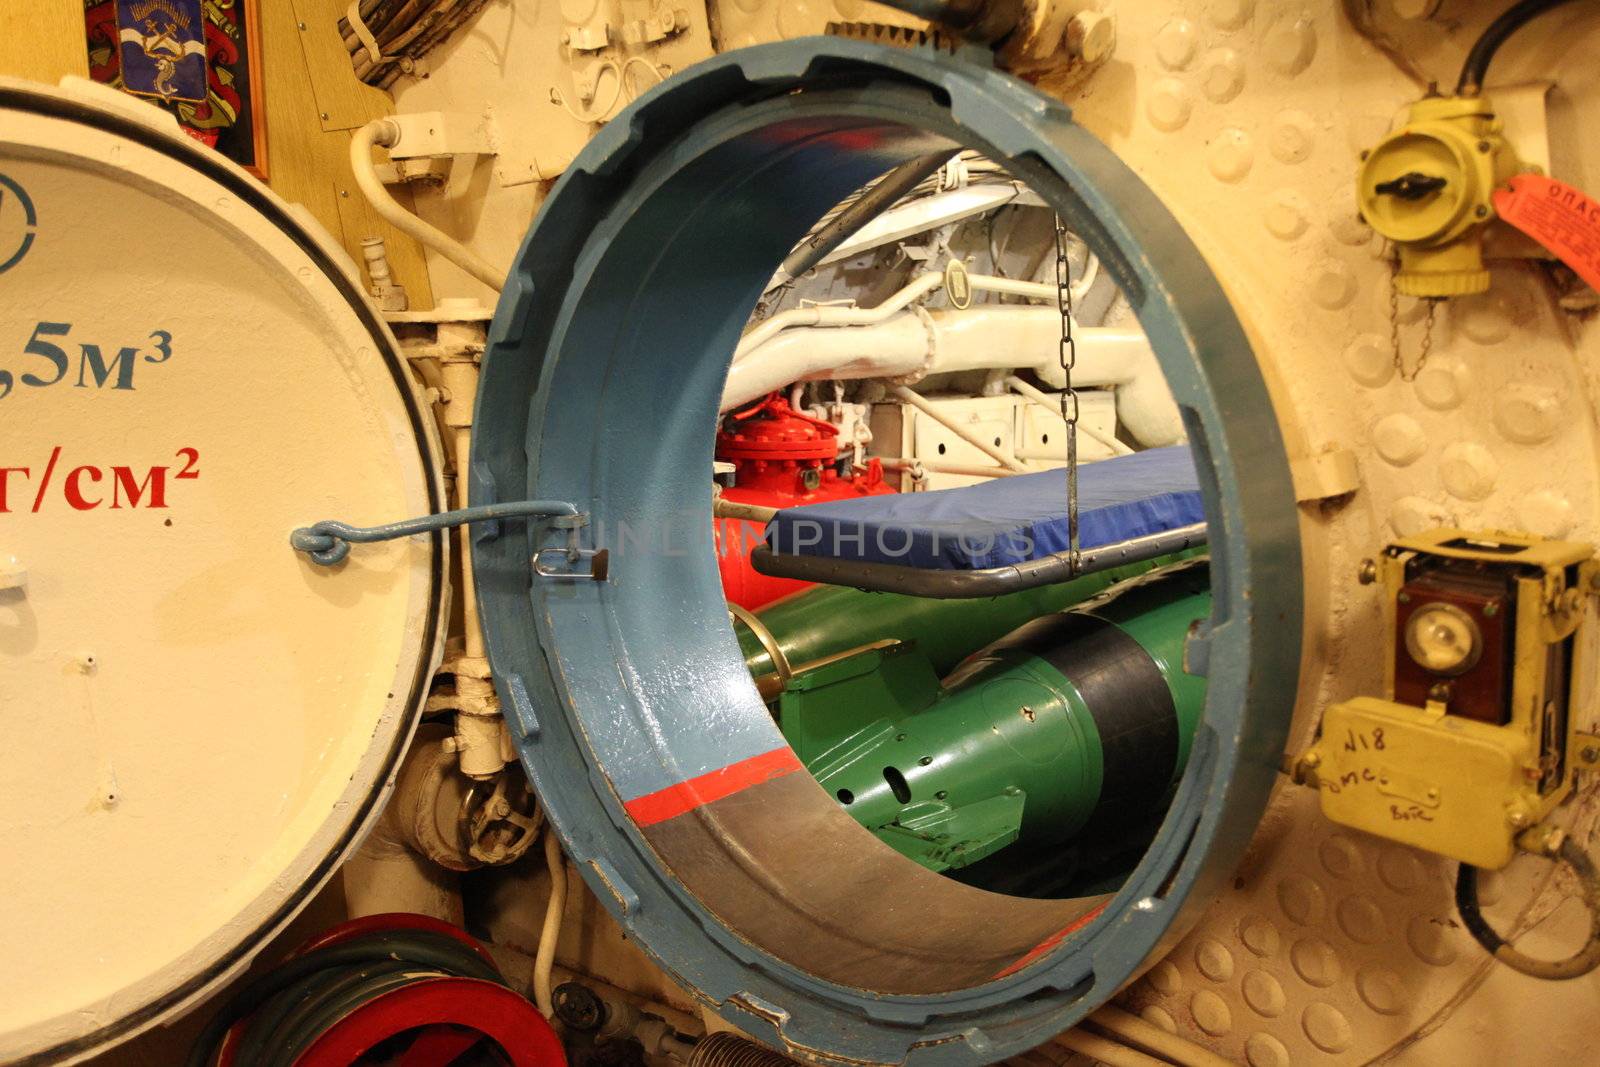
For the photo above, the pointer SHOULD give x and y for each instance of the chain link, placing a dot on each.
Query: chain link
(1394, 329)
(1069, 395)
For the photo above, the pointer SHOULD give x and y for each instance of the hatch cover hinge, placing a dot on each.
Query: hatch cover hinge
(328, 542)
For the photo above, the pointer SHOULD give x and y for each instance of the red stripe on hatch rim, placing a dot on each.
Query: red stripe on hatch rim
(675, 800)
(1043, 947)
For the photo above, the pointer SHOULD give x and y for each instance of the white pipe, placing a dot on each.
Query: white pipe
(849, 315)
(823, 315)
(729, 509)
(1180, 1050)
(921, 403)
(939, 466)
(1023, 389)
(1106, 1051)
(989, 337)
(923, 214)
(386, 132)
(545, 959)
(933, 342)
(892, 349)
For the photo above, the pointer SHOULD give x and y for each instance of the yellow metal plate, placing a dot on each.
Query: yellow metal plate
(1433, 781)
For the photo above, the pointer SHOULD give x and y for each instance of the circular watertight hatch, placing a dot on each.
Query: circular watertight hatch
(199, 721)
(645, 736)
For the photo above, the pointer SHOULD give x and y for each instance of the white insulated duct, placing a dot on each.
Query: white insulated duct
(917, 343)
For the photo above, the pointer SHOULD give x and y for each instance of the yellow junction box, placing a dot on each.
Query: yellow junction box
(1448, 783)
(1424, 778)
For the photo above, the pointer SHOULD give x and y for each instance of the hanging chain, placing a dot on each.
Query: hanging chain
(1394, 329)
(1069, 395)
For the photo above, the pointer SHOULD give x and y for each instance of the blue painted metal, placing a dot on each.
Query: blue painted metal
(600, 384)
(328, 542)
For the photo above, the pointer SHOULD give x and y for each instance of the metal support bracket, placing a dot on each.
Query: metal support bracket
(942, 584)
(328, 542)
(558, 564)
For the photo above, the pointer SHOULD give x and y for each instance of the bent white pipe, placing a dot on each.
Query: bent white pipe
(893, 349)
(386, 132)
(824, 315)
(922, 215)
(986, 338)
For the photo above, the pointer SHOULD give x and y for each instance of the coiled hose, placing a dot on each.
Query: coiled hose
(1575, 966)
(290, 1007)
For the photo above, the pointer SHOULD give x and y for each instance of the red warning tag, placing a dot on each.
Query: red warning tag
(1557, 216)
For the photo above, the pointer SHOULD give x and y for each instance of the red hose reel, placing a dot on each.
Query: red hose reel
(444, 1016)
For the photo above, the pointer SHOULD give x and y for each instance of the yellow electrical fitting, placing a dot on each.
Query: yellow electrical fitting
(1427, 187)
(1475, 739)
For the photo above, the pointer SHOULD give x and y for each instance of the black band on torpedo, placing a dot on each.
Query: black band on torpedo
(1126, 695)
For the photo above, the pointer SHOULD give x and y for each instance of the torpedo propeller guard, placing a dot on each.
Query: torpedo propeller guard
(629, 699)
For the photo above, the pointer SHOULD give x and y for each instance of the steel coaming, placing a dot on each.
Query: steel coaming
(600, 386)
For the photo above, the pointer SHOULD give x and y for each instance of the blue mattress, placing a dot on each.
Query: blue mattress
(1000, 522)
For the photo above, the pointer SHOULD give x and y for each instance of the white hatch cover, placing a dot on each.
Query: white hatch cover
(199, 722)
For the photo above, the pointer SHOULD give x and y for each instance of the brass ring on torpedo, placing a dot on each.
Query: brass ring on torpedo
(769, 644)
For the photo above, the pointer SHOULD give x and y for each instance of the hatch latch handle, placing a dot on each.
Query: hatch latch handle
(328, 542)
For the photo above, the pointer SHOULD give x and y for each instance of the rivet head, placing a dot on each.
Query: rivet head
(1368, 573)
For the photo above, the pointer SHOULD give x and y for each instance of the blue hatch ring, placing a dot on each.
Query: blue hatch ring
(628, 699)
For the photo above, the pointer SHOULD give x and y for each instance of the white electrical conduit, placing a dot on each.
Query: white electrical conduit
(386, 132)
(1106, 1051)
(1047, 402)
(921, 403)
(1179, 1050)
(544, 961)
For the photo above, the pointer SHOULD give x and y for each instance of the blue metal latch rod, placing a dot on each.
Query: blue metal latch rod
(328, 542)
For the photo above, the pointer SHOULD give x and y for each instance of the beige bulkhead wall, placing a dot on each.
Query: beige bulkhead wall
(313, 100)
(43, 40)
(1248, 117)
